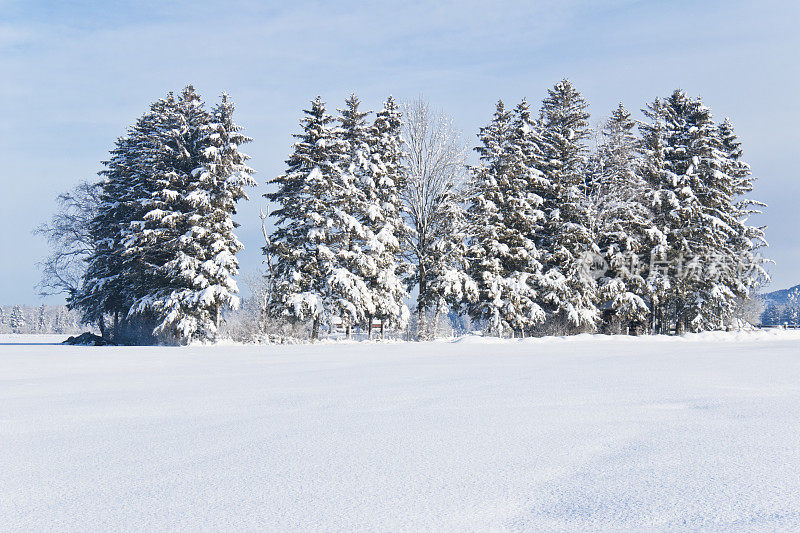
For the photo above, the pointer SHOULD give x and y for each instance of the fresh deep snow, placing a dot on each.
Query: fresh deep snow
(586, 433)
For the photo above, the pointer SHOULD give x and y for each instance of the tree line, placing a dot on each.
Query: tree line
(641, 227)
(646, 233)
(42, 319)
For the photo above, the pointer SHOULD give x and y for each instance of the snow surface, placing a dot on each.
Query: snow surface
(586, 433)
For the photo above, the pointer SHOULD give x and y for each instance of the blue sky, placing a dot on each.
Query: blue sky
(74, 75)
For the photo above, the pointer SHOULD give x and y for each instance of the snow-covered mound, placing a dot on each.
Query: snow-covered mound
(88, 339)
(586, 433)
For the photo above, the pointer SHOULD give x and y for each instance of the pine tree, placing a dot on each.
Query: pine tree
(304, 229)
(623, 227)
(381, 218)
(353, 300)
(190, 219)
(569, 288)
(164, 249)
(161, 239)
(486, 224)
(41, 321)
(101, 291)
(504, 217)
(792, 311)
(114, 277)
(17, 321)
(695, 181)
(448, 284)
(660, 200)
(750, 265)
(223, 179)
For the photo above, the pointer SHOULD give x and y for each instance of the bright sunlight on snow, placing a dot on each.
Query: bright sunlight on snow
(582, 433)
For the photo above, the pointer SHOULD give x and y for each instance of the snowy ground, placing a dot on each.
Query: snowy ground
(591, 433)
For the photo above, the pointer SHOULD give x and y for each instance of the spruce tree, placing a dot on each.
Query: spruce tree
(660, 277)
(163, 240)
(569, 288)
(448, 285)
(504, 217)
(352, 298)
(623, 223)
(17, 321)
(193, 217)
(771, 316)
(223, 181)
(164, 248)
(750, 265)
(41, 321)
(114, 274)
(382, 220)
(304, 229)
(695, 181)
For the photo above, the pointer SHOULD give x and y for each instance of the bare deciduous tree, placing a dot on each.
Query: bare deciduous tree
(432, 198)
(67, 233)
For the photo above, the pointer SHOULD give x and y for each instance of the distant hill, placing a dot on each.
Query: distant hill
(781, 297)
(781, 307)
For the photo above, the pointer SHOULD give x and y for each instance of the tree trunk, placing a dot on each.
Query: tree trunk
(101, 325)
(382, 330)
(369, 327)
(434, 326)
(423, 287)
(315, 329)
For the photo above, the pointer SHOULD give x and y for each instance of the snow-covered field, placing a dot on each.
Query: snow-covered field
(588, 433)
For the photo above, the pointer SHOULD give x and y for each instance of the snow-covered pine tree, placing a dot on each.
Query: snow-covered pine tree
(485, 218)
(696, 239)
(17, 321)
(771, 316)
(352, 300)
(160, 232)
(448, 284)
(184, 234)
(623, 225)
(300, 244)
(750, 265)
(791, 314)
(695, 208)
(382, 220)
(97, 293)
(41, 320)
(504, 217)
(223, 179)
(207, 250)
(569, 288)
(653, 145)
(113, 279)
